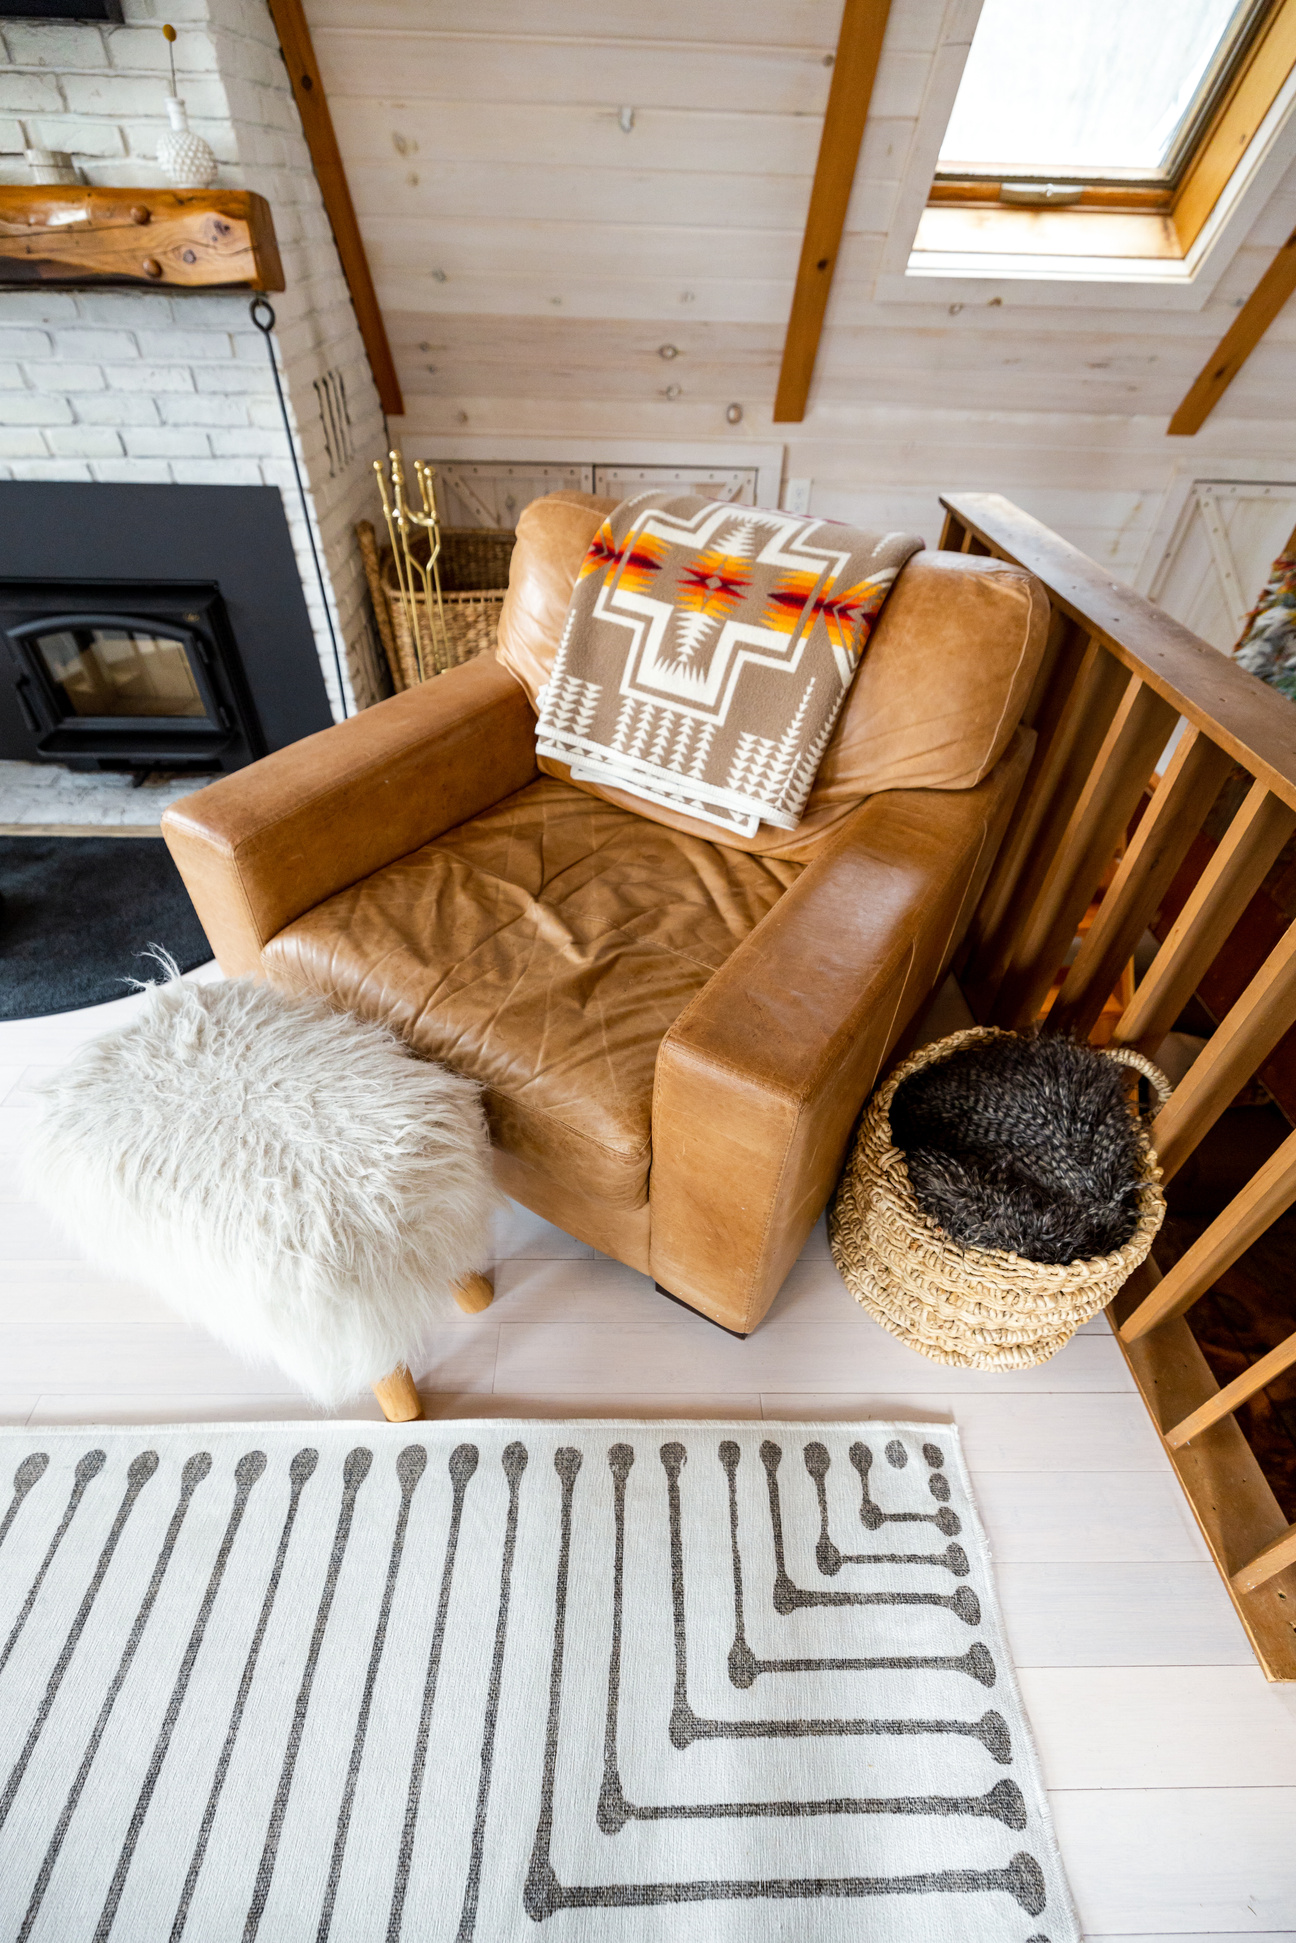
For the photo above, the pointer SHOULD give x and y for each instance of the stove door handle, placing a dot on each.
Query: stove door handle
(21, 684)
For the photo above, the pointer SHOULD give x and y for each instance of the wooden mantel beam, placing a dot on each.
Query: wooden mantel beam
(317, 126)
(859, 48)
(1238, 342)
(159, 238)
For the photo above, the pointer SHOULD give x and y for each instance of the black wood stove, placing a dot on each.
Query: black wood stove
(151, 627)
(115, 677)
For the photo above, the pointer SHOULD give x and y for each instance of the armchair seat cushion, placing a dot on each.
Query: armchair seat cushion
(544, 948)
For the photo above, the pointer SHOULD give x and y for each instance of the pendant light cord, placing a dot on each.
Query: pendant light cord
(262, 314)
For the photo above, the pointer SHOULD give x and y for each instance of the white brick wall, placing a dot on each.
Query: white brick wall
(155, 386)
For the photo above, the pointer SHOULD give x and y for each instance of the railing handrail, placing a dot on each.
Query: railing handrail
(1240, 713)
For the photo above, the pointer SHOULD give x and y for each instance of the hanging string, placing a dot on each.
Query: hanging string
(262, 314)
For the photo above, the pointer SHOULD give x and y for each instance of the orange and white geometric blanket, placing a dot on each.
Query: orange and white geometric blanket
(708, 651)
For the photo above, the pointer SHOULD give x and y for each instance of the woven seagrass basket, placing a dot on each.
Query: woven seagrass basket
(474, 567)
(972, 1307)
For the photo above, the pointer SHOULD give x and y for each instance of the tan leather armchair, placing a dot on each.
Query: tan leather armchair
(674, 1037)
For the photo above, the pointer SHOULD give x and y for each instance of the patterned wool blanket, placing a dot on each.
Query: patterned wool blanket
(708, 651)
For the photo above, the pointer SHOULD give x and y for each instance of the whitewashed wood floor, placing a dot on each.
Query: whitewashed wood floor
(1171, 1763)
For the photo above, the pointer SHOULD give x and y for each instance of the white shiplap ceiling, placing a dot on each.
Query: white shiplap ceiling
(551, 192)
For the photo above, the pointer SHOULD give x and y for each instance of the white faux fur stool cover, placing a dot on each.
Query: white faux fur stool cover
(288, 1177)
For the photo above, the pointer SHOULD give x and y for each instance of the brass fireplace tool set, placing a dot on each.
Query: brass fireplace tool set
(415, 535)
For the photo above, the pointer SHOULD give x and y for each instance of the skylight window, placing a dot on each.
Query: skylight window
(1093, 91)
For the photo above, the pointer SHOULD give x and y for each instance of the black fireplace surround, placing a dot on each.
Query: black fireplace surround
(151, 627)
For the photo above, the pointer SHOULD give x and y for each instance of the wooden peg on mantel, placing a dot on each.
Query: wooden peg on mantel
(187, 239)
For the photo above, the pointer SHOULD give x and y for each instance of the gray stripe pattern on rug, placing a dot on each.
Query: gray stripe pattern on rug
(476, 1682)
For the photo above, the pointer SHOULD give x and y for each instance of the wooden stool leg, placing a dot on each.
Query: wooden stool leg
(396, 1393)
(475, 1293)
(398, 1397)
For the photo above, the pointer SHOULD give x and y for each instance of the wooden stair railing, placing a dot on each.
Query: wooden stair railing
(1118, 677)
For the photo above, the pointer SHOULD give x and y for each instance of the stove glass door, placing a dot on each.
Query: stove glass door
(113, 668)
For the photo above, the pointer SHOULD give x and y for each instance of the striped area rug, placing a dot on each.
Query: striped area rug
(605, 1682)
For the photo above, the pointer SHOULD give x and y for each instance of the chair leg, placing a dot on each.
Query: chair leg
(398, 1398)
(740, 1334)
(475, 1293)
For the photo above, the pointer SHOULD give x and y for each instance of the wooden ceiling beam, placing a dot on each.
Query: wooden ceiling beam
(859, 47)
(1237, 343)
(317, 126)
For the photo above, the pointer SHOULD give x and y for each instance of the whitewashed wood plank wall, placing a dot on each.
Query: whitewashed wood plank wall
(532, 256)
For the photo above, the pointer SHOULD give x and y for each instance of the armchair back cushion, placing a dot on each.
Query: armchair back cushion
(938, 694)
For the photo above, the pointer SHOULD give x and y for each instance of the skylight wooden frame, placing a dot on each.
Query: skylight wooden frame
(1248, 99)
(1266, 61)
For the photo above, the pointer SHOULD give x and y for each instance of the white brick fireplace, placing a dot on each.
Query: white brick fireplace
(148, 386)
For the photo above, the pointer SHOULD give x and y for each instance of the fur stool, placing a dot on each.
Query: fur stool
(288, 1177)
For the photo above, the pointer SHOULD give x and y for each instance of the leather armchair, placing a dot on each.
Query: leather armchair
(675, 1037)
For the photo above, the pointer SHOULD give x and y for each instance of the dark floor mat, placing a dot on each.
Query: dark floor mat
(78, 914)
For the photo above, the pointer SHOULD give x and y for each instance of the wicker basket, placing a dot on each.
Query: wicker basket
(972, 1307)
(475, 558)
(474, 567)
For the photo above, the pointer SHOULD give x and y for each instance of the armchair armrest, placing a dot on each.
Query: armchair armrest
(760, 1080)
(262, 846)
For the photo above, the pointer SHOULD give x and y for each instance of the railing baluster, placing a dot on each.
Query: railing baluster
(1238, 1392)
(1221, 894)
(1102, 812)
(1064, 651)
(1064, 762)
(1274, 1558)
(1191, 783)
(1269, 1193)
(1247, 1036)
